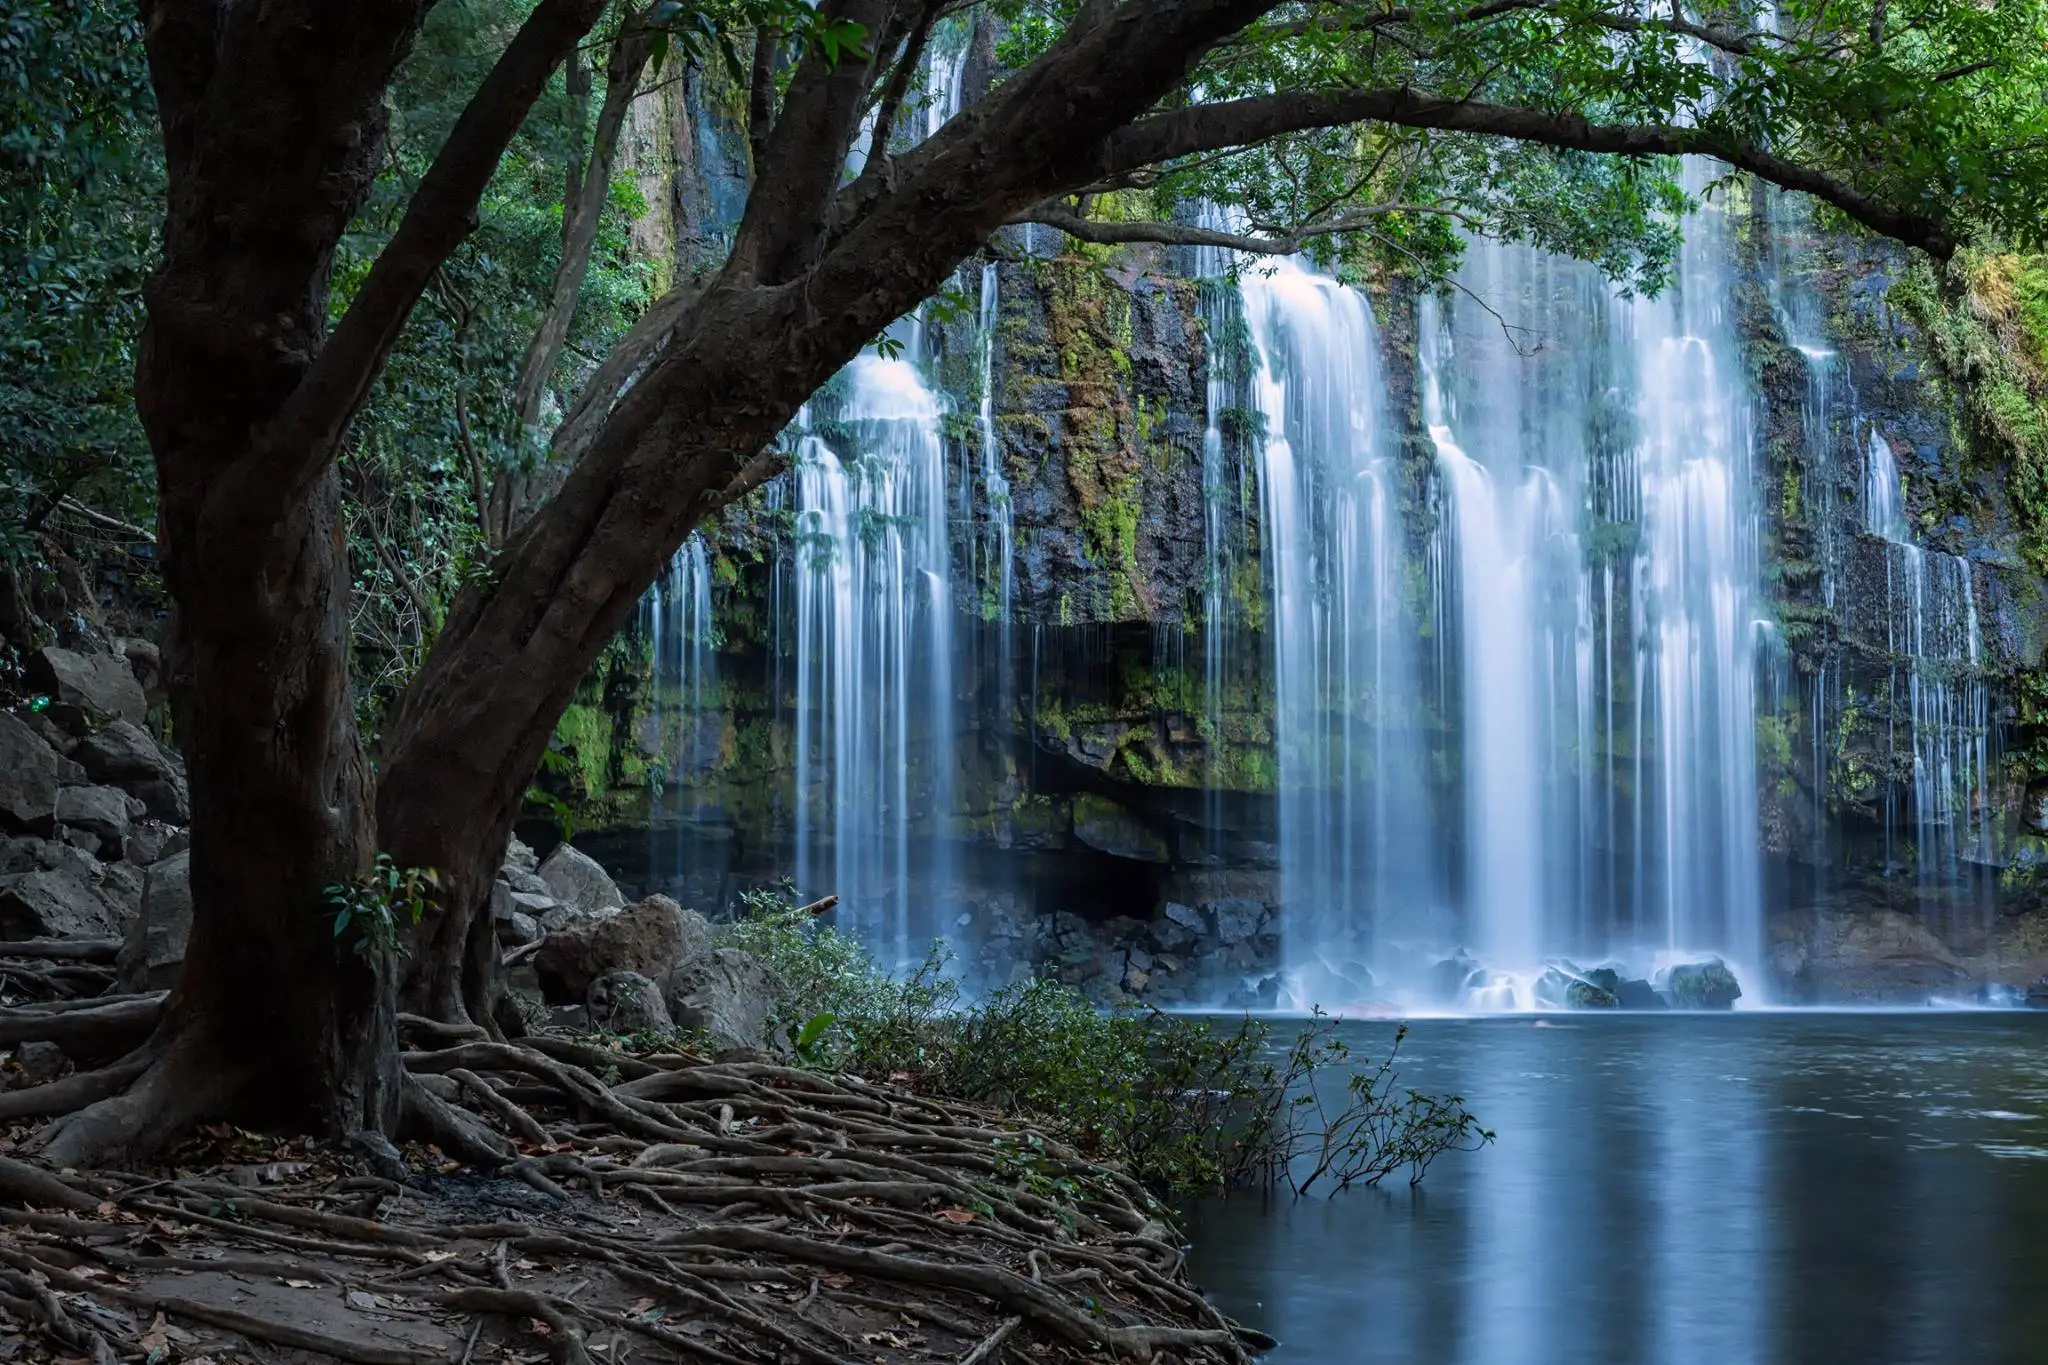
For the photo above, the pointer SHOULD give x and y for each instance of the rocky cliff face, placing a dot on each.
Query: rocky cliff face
(1111, 794)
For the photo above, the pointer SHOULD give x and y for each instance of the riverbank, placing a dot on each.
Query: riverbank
(655, 1207)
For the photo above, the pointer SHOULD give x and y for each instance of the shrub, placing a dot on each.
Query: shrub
(1180, 1103)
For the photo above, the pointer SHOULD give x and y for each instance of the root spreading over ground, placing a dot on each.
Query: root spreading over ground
(584, 1206)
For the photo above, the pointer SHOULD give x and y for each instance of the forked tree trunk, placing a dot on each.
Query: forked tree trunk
(273, 1021)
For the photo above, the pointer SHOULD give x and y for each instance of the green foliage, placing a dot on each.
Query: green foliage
(371, 911)
(81, 188)
(1179, 1103)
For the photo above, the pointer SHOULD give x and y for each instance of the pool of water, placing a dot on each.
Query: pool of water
(1740, 1189)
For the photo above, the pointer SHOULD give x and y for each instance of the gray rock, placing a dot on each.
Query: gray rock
(156, 941)
(1187, 917)
(1447, 978)
(40, 1062)
(28, 778)
(516, 930)
(122, 886)
(1102, 824)
(727, 994)
(579, 882)
(518, 857)
(49, 904)
(1561, 989)
(1638, 995)
(84, 841)
(1237, 918)
(528, 882)
(1704, 985)
(87, 689)
(648, 938)
(100, 811)
(627, 1002)
(45, 855)
(124, 755)
(148, 842)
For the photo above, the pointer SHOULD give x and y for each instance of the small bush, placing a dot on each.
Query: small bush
(1180, 1103)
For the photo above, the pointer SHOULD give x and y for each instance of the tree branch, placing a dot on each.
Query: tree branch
(1284, 242)
(1206, 127)
(895, 91)
(301, 440)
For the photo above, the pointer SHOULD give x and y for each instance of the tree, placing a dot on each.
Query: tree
(1361, 126)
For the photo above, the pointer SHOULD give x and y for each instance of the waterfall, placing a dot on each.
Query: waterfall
(1522, 614)
(682, 639)
(874, 657)
(1348, 767)
(1933, 636)
(998, 570)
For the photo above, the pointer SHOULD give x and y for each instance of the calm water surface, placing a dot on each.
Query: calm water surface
(1744, 1189)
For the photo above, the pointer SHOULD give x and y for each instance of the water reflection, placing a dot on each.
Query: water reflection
(1763, 1189)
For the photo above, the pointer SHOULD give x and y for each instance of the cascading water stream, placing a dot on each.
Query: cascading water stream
(1352, 833)
(683, 644)
(1933, 636)
(874, 658)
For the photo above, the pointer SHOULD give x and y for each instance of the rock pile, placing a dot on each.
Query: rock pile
(92, 811)
(572, 943)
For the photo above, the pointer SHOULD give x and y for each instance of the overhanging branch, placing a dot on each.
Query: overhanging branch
(1236, 123)
(1281, 242)
(301, 439)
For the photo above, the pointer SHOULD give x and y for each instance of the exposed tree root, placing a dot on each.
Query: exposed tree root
(666, 1208)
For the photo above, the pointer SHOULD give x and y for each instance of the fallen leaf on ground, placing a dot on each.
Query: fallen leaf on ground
(358, 1298)
(956, 1215)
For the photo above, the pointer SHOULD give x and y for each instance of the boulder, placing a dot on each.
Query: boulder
(148, 842)
(52, 904)
(155, 944)
(648, 938)
(124, 755)
(1102, 824)
(627, 1002)
(87, 689)
(516, 930)
(1448, 978)
(518, 857)
(1703, 985)
(576, 880)
(727, 994)
(1639, 995)
(1237, 918)
(28, 778)
(45, 855)
(1561, 989)
(99, 811)
(122, 885)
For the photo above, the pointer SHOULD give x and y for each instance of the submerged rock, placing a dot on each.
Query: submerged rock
(1561, 989)
(1704, 985)
(1639, 995)
(1450, 977)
